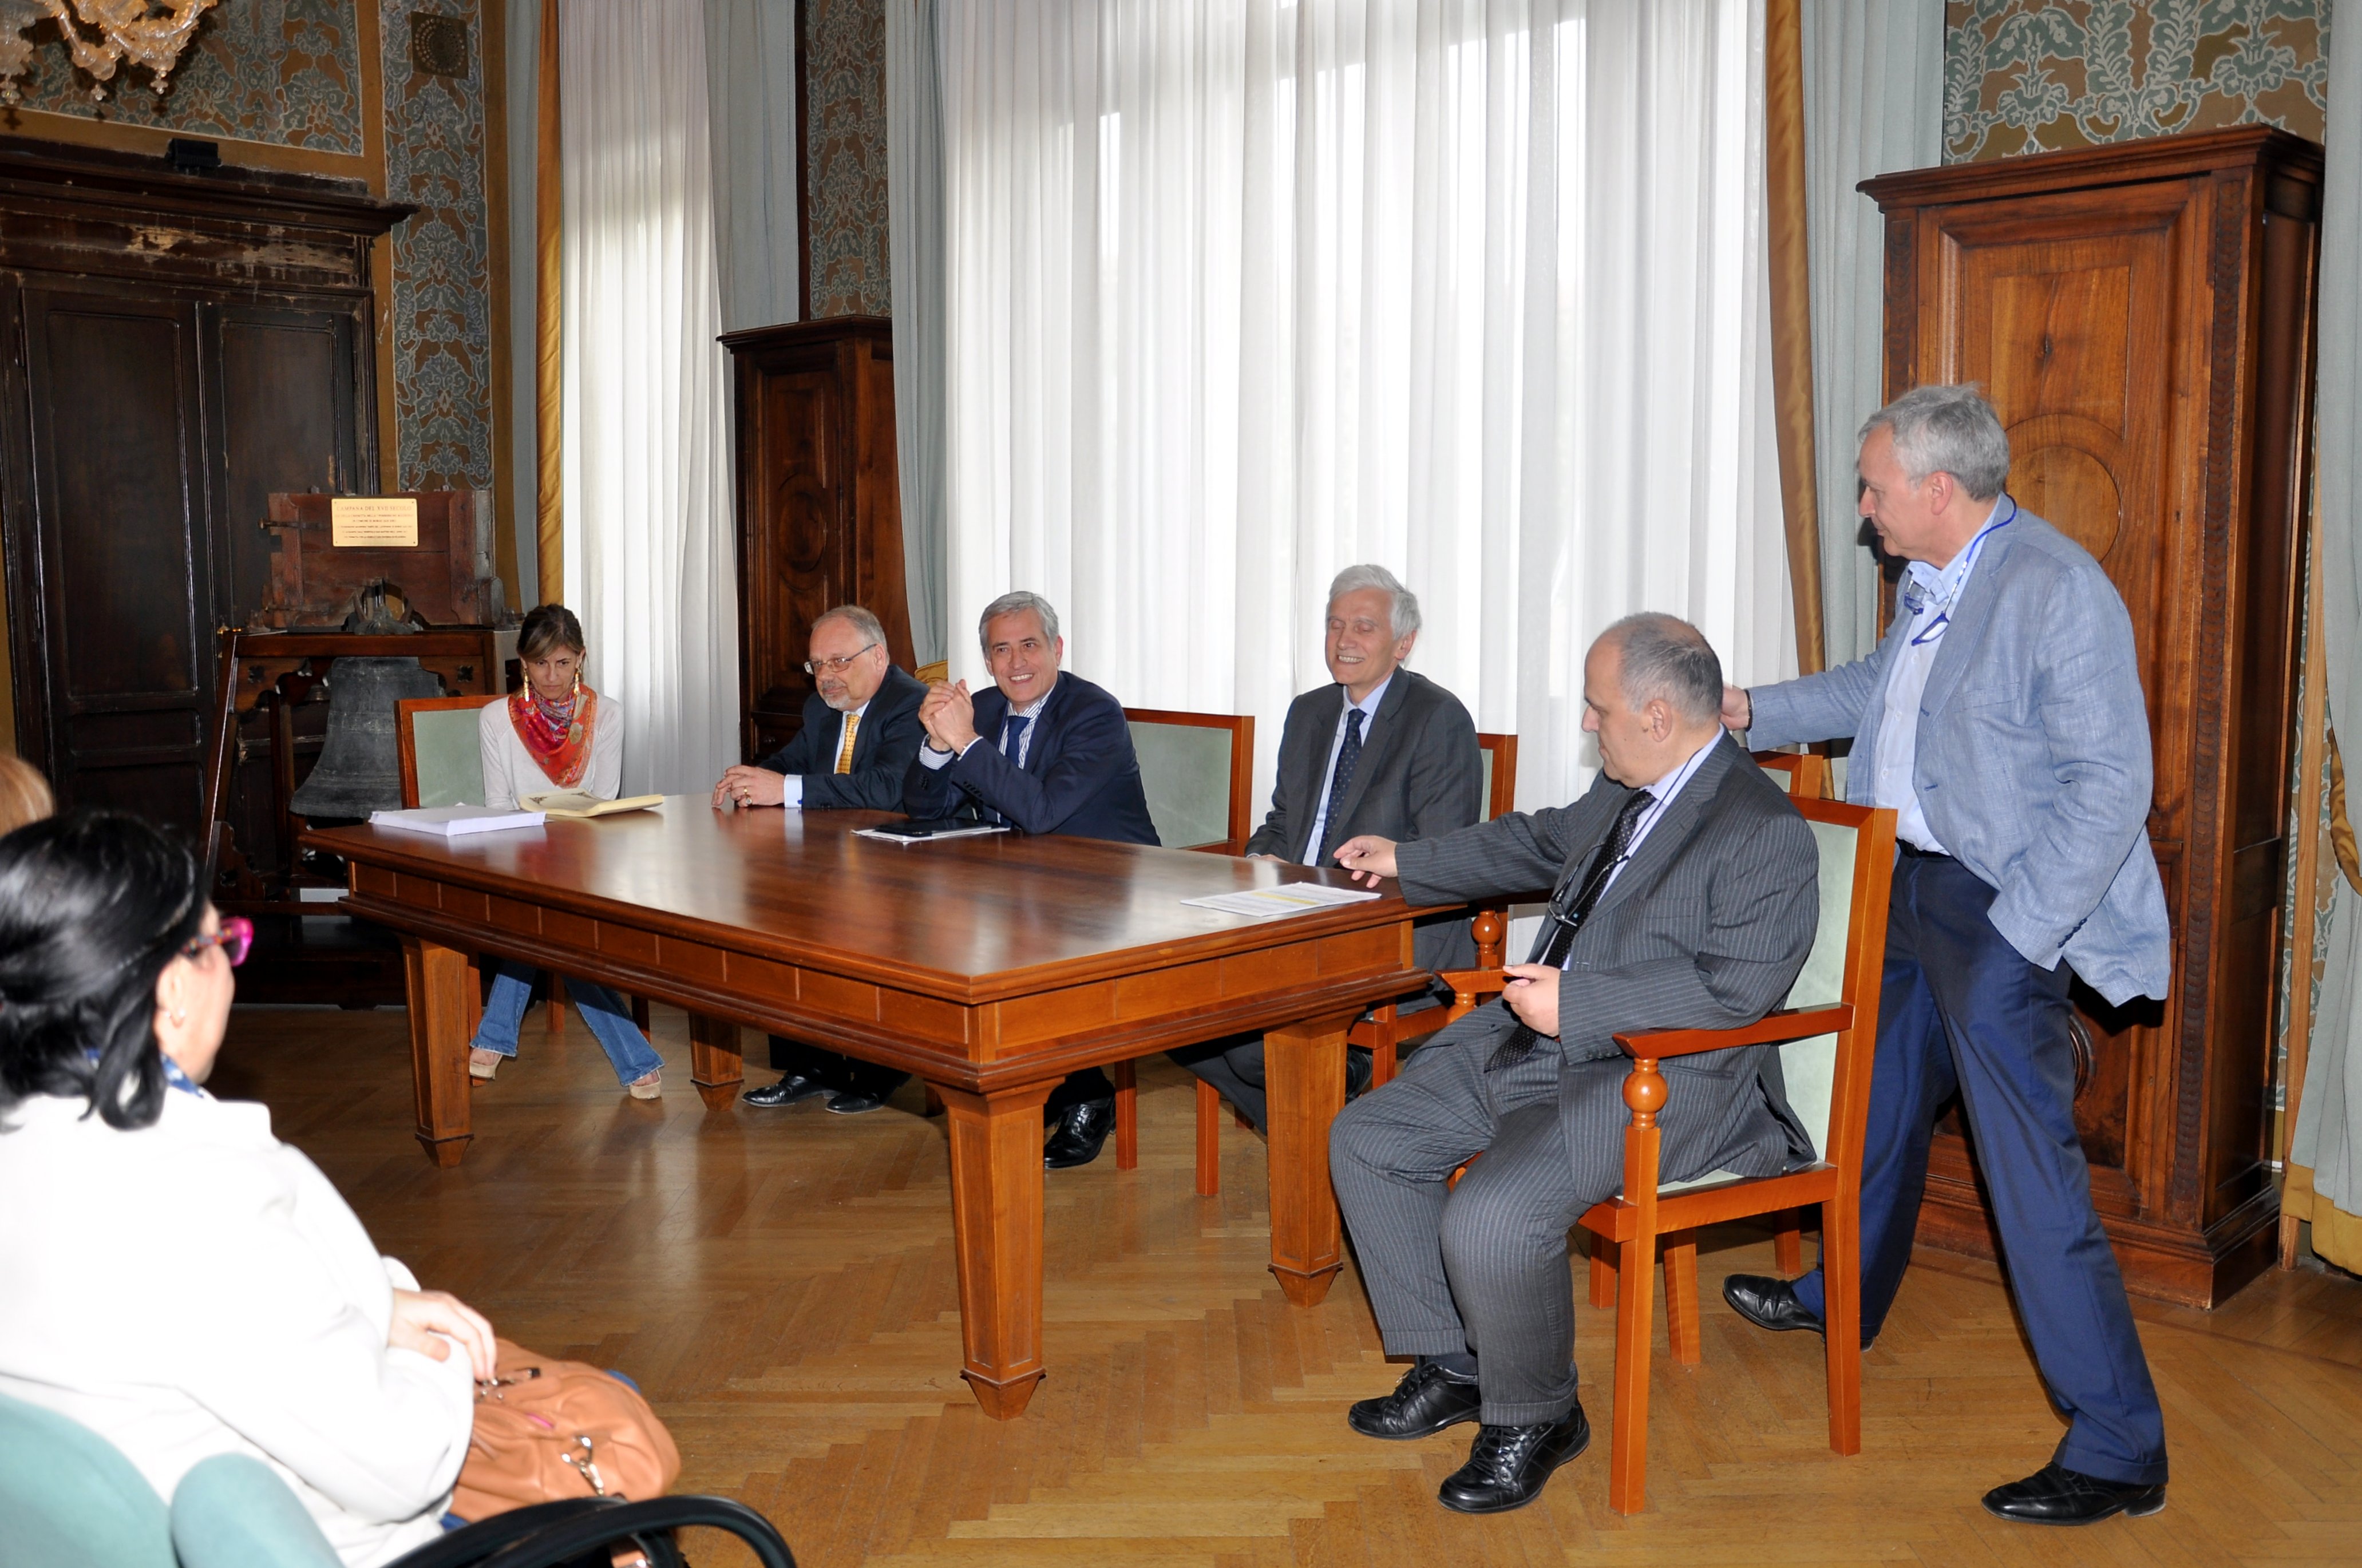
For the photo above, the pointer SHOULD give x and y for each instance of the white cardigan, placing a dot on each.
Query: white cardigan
(198, 1288)
(509, 770)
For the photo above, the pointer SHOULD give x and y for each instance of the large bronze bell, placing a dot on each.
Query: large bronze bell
(359, 770)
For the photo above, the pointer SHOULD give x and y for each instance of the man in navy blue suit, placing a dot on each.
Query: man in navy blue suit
(1042, 752)
(860, 732)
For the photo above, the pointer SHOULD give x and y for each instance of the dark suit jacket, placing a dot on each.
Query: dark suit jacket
(882, 749)
(1421, 776)
(1705, 928)
(1080, 776)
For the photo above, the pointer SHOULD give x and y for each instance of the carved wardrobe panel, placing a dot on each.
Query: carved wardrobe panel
(2142, 317)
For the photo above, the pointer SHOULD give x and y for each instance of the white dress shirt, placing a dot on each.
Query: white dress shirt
(1935, 592)
(1369, 711)
(1663, 790)
(791, 788)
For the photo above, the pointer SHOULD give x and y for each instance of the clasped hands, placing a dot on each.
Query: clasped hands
(1530, 990)
(948, 715)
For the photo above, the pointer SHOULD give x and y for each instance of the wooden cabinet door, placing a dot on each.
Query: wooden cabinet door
(796, 544)
(123, 609)
(2072, 333)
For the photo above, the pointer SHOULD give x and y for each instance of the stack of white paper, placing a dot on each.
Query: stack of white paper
(1288, 898)
(450, 821)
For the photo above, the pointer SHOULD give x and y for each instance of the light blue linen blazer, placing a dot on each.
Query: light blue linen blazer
(2034, 760)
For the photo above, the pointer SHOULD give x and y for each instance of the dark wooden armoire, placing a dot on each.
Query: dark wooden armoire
(820, 513)
(2142, 317)
(180, 346)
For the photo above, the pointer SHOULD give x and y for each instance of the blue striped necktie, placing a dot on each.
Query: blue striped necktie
(1349, 756)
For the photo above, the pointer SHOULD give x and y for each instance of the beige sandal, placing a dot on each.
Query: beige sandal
(484, 1063)
(648, 1087)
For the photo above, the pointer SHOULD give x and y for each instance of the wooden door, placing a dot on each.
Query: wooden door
(119, 617)
(2074, 340)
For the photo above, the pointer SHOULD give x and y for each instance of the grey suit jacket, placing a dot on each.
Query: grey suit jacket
(1705, 928)
(2033, 758)
(1420, 776)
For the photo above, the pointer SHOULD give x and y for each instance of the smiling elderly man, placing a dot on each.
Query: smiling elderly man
(860, 732)
(1379, 750)
(1686, 898)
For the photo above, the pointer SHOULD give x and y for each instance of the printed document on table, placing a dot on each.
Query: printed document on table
(1288, 897)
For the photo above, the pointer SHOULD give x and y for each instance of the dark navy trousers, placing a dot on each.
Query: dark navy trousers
(1960, 1011)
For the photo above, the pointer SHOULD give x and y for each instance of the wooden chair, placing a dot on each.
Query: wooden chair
(443, 765)
(1827, 1036)
(1802, 773)
(1807, 776)
(1197, 771)
(1387, 1030)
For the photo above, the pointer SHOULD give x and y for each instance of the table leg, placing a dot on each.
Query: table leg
(996, 1145)
(438, 979)
(1303, 1076)
(714, 1064)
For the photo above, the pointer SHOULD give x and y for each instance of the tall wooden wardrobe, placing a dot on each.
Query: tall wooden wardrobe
(179, 345)
(819, 506)
(2142, 317)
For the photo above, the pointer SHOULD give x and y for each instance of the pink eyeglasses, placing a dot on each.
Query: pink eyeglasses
(235, 938)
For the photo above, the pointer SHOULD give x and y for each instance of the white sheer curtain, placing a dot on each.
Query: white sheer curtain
(1874, 105)
(649, 554)
(914, 188)
(1238, 295)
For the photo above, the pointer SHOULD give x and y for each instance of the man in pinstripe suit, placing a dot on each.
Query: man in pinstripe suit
(1686, 896)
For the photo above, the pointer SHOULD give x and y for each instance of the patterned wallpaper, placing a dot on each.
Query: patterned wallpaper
(283, 72)
(844, 142)
(442, 257)
(2039, 75)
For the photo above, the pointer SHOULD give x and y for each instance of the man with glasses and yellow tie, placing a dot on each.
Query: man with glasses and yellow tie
(859, 736)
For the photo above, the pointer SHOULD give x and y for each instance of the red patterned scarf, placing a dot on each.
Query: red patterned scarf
(558, 734)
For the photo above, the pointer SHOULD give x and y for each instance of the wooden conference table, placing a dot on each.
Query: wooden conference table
(989, 966)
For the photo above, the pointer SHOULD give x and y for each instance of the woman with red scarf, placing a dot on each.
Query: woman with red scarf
(556, 733)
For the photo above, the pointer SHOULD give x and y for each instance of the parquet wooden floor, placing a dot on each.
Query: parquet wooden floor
(781, 1283)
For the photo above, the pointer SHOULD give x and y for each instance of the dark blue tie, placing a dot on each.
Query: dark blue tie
(1560, 941)
(1349, 756)
(1012, 738)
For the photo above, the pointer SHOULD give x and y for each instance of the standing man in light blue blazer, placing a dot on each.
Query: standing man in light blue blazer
(2001, 719)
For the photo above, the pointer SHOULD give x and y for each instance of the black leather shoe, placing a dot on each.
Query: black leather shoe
(2055, 1494)
(1360, 1067)
(1423, 1404)
(1081, 1132)
(790, 1091)
(1768, 1303)
(1507, 1466)
(855, 1101)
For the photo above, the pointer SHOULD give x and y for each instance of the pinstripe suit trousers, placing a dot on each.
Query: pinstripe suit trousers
(1481, 1266)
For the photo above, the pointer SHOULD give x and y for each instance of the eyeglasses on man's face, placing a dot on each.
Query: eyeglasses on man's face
(235, 938)
(834, 666)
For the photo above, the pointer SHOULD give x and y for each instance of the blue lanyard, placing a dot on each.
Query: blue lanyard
(174, 1077)
(1914, 597)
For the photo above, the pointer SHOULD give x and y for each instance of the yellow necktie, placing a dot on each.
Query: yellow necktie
(844, 751)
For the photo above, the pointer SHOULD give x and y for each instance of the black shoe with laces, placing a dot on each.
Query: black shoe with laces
(1508, 1466)
(1424, 1402)
(1081, 1132)
(2055, 1494)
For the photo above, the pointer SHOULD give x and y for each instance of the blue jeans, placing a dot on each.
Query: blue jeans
(607, 1014)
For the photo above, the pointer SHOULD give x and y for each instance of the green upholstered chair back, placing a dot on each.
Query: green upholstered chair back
(1498, 756)
(444, 745)
(1810, 1065)
(70, 1499)
(1191, 773)
(1488, 757)
(233, 1511)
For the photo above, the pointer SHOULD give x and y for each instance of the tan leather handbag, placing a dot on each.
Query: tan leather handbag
(547, 1429)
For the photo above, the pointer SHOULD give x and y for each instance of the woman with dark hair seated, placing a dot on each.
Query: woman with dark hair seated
(556, 733)
(171, 1275)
